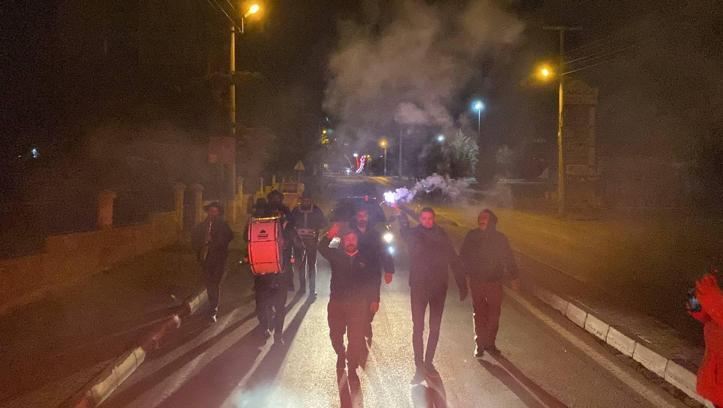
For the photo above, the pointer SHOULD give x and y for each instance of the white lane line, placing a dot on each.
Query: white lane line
(644, 390)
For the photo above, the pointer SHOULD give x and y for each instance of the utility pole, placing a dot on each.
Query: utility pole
(401, 136)
(561, 182)
(232, 83)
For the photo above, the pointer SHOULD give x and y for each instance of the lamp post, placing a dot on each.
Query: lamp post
(253, 9)
(383, 144)
(478, 106)
(545, 72)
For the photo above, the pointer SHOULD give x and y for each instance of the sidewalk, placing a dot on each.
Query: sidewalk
(53, 347)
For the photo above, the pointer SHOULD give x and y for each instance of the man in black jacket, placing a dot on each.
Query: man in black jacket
(431, 254)
(307, 219)
(487, 257)
(210, 240)
(351, 298)
(371, 242)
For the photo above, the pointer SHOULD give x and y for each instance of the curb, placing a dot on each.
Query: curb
(103, 385)
(665, 368)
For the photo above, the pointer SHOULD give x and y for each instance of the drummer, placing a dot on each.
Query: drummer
(271, 289)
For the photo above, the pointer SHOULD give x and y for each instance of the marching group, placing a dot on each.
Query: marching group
(360, 260)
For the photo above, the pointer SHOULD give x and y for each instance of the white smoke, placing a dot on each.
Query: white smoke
(449, 188)
(410, 68)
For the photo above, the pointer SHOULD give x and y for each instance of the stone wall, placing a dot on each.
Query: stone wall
(70, 258)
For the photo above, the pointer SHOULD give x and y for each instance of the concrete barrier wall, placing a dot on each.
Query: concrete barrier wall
(70, 258)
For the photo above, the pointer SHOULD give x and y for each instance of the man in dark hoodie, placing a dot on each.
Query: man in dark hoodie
(351, 297)
(371, 242)
(308, 219)
(210, 240)
(487, 257)
(431, 254)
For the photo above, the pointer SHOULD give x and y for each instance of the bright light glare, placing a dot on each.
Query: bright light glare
(390, 250)
(440, 138)
(388, 237)
(255, 8)
(390, 197)
(478, 106)
(356, 155)
(383, 143)
(544, 72)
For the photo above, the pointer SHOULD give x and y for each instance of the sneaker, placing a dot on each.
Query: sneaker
(479, 352)
(431, 370)
(212, 318)
(418, 376)
(267, 334)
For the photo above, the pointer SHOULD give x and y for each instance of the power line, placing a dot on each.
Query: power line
(601, 54)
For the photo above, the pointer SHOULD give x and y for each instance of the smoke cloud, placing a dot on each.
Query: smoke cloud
(409, 69)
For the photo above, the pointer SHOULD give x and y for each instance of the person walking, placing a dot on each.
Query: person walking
(307, 219)
(351, 297)
(710, 312)
(487, 256)
(431, 254)
(276, 208)
(371, 242)
(210, 240)
(270, 291)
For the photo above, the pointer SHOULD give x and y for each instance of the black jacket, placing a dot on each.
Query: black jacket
(431, 254)
(370, 242)
(308, 222)
(352, 277)
(214, 252)
(487, 256)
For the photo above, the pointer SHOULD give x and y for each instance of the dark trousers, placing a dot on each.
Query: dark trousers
(368, 326)
(421, 297)
(487, 305)
(348, 315)
(213, 274)
(271, 296)
(307, 263)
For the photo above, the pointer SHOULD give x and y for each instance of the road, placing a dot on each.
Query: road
(546, 361)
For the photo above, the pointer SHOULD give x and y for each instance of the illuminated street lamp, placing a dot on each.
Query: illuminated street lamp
(440, 138)
(384, 144)
(544, 72)
(478, 106)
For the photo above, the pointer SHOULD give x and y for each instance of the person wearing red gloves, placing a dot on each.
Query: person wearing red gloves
(710, 313)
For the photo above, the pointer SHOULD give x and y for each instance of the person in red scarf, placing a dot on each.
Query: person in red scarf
(710, 313)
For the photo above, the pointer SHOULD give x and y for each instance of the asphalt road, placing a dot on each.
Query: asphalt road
(546, 362)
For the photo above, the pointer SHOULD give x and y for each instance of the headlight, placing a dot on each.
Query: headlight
(388, 237)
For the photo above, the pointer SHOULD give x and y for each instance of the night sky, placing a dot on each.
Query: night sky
(71, 66)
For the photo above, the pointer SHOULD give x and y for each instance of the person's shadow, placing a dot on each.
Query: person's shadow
(516, 381)
(431, 395)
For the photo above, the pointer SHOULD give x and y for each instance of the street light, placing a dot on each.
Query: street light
(440, 138)
(478, 106)
(544, 72)
(383, 144)
(253, 9)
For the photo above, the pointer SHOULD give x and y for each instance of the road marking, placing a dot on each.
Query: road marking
(636, 385)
